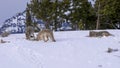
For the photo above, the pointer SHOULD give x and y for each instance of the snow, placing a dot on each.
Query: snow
(72, 49)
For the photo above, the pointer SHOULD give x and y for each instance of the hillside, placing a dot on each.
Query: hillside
(72, 49)
(15, 24)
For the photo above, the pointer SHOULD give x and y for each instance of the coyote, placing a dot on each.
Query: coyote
(29, 33)
(99, 34)
(2, 41)
(105, 33)
(45, 35)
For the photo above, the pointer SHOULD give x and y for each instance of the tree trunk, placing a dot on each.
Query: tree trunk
(98, 17)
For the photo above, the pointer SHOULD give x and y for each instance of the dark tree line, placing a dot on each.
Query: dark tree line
(80, 13)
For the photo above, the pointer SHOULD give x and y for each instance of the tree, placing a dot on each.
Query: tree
(82, 14)
(109, 13)
(41, 10)
(29, 32)
(98, 16)
(28, 17)
(79, 12)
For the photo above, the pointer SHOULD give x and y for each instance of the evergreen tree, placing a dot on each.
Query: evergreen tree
(28, 17)
(61, 9)
(75, 15)
(82, 14)
(109, 13)
(87, 14)
(44, 10)
(56, 12)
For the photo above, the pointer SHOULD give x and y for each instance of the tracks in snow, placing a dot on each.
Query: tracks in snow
(31, 56)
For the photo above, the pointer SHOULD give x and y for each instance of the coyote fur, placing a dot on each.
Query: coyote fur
(45, 35)
(29, 32)
(99, 34)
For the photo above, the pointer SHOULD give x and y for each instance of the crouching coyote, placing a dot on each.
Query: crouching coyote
(29, 33)
(45, 35)
(99, 34)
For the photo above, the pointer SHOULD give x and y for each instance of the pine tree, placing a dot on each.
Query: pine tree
(109, 13)
(75, 15)
(28, 17)
(82, 14)
(60, 7)
(43, 9)
(78, 12)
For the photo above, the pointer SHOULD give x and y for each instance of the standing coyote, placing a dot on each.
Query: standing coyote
(45, 35)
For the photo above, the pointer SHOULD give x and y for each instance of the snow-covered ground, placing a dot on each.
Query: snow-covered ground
(72, 49)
